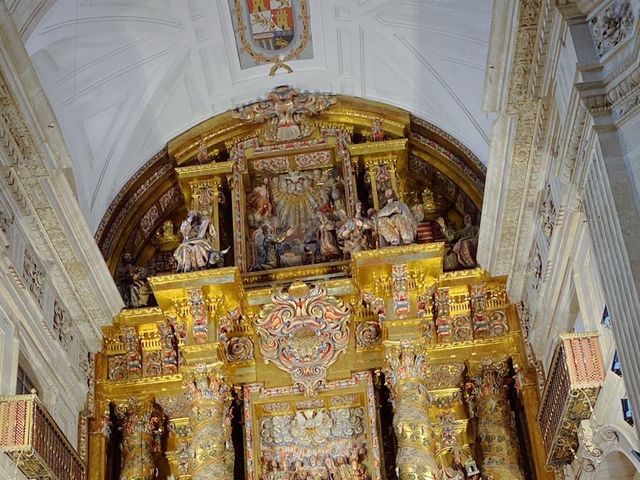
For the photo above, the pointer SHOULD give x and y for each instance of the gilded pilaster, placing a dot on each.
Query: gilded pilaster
(496, 432)
(406, 373)
(140, 422)
(210, 417)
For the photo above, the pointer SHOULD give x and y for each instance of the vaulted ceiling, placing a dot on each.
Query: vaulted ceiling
(125, 76)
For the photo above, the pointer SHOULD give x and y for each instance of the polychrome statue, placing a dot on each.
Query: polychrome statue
(395, 222)
(464, 241)
(196, 252)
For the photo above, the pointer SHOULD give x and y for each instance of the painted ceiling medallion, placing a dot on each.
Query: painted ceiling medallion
(302, 331)
(271, 31)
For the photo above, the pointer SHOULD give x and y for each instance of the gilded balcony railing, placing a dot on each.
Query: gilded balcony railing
(573, 384)
(34, 441)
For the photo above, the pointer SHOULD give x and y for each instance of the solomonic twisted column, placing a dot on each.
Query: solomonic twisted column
(405, 373)
(496, 430)
(210, 415)
(140, 423)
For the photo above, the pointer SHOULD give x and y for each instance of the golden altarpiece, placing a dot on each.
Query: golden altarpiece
(318, 311)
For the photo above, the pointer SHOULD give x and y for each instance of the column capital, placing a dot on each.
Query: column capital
(487, 377)
(405, 359)
(136, 412)
(206, 382)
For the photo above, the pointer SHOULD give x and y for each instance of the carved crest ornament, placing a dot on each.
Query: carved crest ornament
(285, 112)
(302, 331)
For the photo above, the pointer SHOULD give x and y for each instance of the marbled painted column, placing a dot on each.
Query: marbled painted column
(496, 433)
(405, 373)
(210, 416)
(139, 421)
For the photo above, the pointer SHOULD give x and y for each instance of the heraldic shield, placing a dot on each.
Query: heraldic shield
(269, 31)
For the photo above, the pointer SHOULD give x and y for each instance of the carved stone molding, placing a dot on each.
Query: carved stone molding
(33, 161)
(523, 118)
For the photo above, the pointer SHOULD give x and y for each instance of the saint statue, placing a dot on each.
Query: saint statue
(464, 241)
(353, 233)
(268, 247)
(395, 222)
(131, 281)
(328, 244)
(196, 252)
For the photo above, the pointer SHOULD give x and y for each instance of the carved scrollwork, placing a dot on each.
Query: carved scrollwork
(612, 25)
(302, 331)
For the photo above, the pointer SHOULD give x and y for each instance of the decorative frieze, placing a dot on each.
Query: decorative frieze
(548, 213)
(6, 219)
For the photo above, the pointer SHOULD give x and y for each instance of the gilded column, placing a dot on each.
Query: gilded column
(215, 185)
(406, 373)
(210, 417)
(177, 407)
(140, 423)
(496, 430)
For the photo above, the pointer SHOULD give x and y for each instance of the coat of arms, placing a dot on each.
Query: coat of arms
(271, 31)
(303, 331)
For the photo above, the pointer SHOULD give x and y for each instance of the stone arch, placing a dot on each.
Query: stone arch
(617, 466)
(607, 452)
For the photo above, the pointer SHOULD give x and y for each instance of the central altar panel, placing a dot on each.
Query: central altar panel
(333, 434)
(293, 197)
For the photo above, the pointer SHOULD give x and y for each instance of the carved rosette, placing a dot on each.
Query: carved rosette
(368, 334)
(210, 416)
(496, 432)
(140, 421)
(406, 375)
(302, 331)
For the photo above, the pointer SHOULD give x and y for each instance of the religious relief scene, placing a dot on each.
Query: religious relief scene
(319, 240)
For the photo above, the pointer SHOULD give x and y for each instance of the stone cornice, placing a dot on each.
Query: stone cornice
(34, 158)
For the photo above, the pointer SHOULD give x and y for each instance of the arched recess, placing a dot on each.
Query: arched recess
(152, 196)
